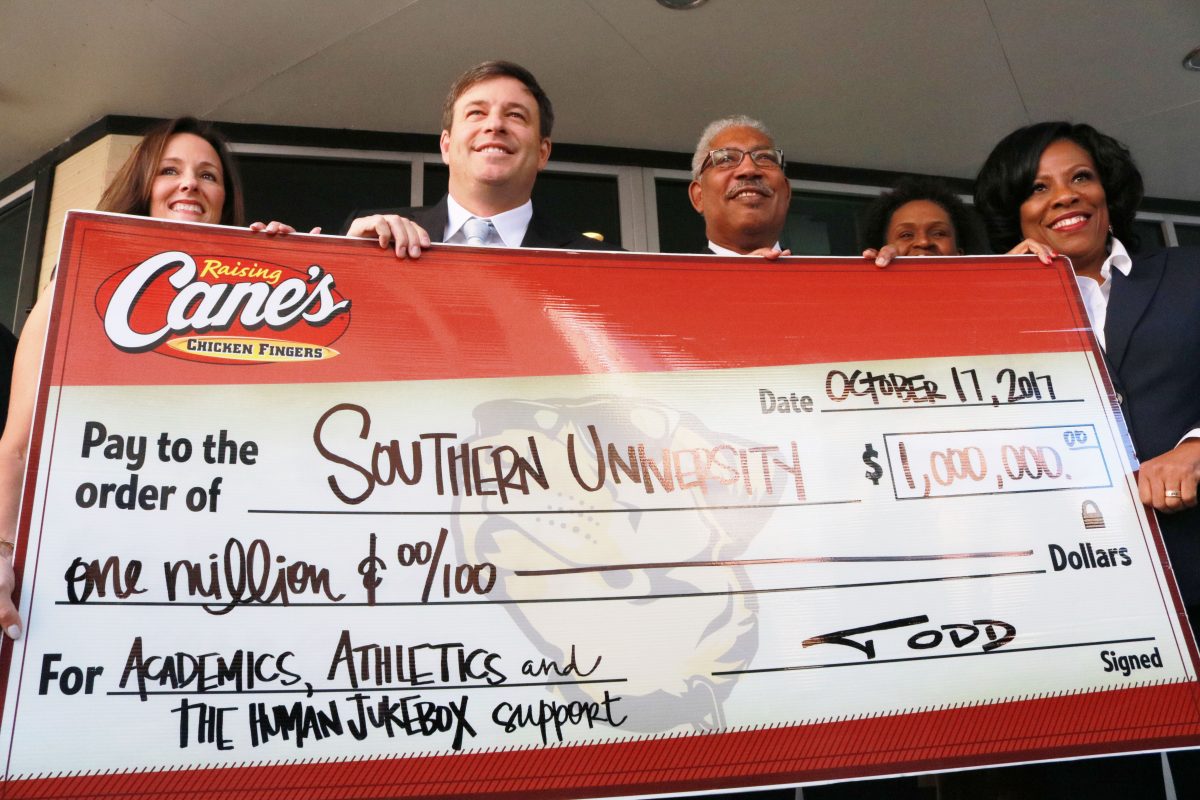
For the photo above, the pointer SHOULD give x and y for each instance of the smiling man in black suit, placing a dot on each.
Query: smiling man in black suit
(496, 124)
(739, 187)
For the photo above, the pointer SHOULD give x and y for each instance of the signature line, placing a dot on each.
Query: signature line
(751, 561)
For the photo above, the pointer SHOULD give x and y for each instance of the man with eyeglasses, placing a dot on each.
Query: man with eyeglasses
(739, 187)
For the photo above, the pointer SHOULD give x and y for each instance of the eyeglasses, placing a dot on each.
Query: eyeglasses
(730, 157)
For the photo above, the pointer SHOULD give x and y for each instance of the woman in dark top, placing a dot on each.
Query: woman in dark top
(1057, 188)
(1061, 188)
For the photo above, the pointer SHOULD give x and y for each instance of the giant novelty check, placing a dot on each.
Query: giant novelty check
(304, 518)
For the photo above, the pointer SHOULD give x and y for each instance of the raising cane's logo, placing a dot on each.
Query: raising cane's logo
(212, 308)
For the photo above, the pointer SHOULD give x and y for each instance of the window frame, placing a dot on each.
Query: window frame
(25, 290)
(637, 192)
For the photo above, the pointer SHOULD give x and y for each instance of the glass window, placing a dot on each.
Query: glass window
(823, 225)
(14, 221)
(1187, 235)
(680, 228)
(1151, 235)
(582, 202)
(306, 192)
(586, 203)
(437, 182)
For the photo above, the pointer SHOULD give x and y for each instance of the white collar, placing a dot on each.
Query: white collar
(1118, 257)
(725, 251)
(510, 225)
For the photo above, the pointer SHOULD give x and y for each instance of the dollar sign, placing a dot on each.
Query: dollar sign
(875, 472)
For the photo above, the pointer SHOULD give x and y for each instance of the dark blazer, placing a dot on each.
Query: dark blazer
(543, 231)
(1152, 345)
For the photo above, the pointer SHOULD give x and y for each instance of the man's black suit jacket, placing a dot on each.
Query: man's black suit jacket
(1152, 346)
(543, 231)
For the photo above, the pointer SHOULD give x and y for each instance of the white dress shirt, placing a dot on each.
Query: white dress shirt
(725, 251)
(1095, 295)
(510, 225)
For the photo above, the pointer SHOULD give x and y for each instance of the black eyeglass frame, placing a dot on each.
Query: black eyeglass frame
(758, 155)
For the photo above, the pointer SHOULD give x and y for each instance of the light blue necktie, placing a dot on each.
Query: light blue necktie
(478, 232)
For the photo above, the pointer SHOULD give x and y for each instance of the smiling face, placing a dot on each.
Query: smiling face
(1067, 208)
(494, 146)
(744, 206)
(922, 228)
(189, 184)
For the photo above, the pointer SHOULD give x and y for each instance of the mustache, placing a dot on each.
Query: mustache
(757, 184)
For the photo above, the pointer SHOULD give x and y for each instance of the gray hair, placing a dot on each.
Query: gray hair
(714, 128)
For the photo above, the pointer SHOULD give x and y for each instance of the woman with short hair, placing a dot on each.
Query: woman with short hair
(919, 216)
